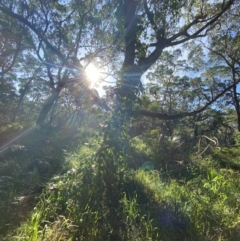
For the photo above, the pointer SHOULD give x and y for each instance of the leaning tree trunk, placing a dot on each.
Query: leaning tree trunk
(23, 93)
(47, 106)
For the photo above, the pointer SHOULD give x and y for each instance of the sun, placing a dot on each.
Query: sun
(93, 75)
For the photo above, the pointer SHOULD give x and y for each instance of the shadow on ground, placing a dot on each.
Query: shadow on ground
(26, 167)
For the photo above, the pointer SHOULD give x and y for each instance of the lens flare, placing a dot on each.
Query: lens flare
(93, 75)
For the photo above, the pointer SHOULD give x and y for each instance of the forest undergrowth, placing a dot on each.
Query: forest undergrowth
(50, 190)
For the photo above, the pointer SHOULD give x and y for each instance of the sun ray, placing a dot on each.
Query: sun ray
(93, 75)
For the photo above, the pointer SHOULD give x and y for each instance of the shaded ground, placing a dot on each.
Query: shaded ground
(26, 167)
(194, 202)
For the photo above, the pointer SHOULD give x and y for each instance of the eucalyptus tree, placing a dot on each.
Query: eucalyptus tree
(176, 86)
(170, 89)
(11, 47)
(216, 61)
(62, 35)
(147, 27)
(137, 32)
(133, 35)
(32, 88)
(224, 59)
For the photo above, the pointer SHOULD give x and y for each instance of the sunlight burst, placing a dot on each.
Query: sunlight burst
(93, 75)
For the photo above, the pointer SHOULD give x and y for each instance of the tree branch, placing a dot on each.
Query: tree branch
(150, 16)
(130, 23)
(184, 114)
(34, 29)
(15, 55)
(221, 55)
(198, 32)
(147, 62)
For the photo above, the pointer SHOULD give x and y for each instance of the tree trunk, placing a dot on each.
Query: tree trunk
(236, 103)
(52, 114)
(21, 100)
(47, 106)
(113, 154)
(112, 157)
